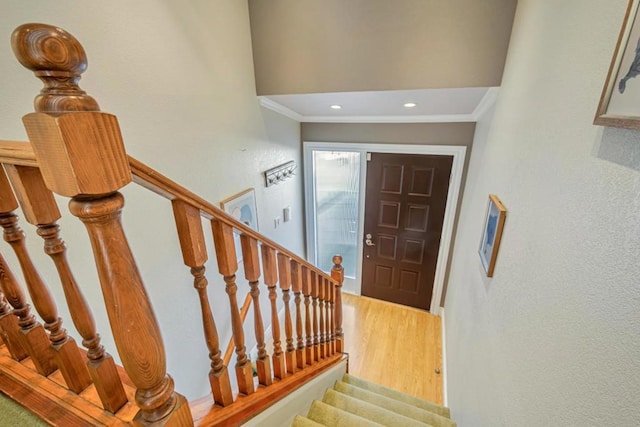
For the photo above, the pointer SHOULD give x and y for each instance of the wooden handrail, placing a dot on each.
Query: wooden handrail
(21, 153)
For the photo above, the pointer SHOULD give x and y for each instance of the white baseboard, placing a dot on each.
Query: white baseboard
(445, 399)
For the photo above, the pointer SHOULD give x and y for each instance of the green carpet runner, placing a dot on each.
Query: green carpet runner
(356, 402)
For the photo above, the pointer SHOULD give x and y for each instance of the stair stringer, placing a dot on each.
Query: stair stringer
(284, 411)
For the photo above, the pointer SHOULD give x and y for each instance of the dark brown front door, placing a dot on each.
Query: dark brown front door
(404, 211)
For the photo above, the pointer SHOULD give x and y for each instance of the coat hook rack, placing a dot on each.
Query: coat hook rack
(278, 174)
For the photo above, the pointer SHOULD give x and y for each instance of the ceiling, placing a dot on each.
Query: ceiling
(431, 105)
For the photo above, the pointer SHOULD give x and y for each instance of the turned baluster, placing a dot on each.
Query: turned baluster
(10, 330)
(337, 274)
(284, 272)
(65, 350)
(194, 255)
(251, 262)
(33, 336)
(296, 285)
(227, 266)
(332, 299)
(314, 320)
(321, 323)
(41, 210)
(81, 155)
(306, 291)
(270, 279)
(327, 317)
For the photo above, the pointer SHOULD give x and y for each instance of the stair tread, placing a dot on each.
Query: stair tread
(300, 421)
(368, 410)
(397, 395)
(328, 415)
(394, 405)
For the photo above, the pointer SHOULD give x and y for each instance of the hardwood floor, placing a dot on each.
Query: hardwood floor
(393, 345)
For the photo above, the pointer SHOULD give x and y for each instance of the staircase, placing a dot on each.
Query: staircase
(76, 151)
(354, 402)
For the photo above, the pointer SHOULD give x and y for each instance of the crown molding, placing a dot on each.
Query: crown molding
(485, 104)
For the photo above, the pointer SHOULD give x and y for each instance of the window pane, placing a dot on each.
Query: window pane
(337, 176)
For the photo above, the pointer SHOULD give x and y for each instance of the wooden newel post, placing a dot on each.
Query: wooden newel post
(81, 155)
(337, 274)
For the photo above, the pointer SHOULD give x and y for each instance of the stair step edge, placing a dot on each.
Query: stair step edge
(397, 395)
(394, 405)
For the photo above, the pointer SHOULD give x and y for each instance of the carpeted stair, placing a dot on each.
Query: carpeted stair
(359, 403)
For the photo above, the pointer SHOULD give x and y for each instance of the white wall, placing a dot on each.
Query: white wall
(179, 76)
(552, 338)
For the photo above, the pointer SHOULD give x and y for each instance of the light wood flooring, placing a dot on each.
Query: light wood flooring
(393, 345)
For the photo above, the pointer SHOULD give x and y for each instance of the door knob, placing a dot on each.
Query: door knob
(368, 242)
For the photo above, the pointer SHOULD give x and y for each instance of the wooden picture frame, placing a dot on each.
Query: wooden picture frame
(492, 233)
(242, 206)
(619, 105)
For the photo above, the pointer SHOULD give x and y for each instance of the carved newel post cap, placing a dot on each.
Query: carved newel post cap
(58, 59)
(337, 259)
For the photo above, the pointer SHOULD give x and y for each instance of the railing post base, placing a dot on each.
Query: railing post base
(300, 358)
(107, 382)
(245, 379)
(264, 371)
(178, 417)
(73, 371)
(10, 331)
(40, 350)
(221, 387)
(279, 370)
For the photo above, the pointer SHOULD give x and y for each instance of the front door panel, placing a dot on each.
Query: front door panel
(405, 202)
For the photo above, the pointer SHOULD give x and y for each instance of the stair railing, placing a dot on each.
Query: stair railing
(76, 151)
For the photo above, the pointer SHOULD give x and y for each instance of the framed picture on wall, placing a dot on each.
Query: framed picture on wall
(619, 105)
(492, 233)
(242, 206)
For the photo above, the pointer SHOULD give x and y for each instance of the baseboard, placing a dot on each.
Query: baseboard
(445, 399)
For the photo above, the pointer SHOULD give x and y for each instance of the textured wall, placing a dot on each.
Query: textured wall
(307, 46)
(552, 338)
(179, 76)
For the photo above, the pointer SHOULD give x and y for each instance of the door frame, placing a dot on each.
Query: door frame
(457, 151)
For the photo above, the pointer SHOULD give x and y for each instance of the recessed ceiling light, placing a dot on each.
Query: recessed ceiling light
(336, 107)
(410, 105)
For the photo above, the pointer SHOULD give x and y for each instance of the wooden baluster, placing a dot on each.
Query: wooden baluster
(270, 279)
(314, 320)
(227, 266)
(337, 274)
(194, 255)
(65, 350)
(81, 155)
(284, 272)
(252, 273)
(34, 338)
(296, 284)
(327, 317)
(332, 324)
(10, 330)
(41, 210)
(321, 323)
(306, 290)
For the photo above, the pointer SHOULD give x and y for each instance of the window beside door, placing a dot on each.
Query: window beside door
(336, 184)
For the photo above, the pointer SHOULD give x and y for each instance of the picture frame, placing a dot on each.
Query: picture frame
(618, 106)
(492, 233)
(242, 206)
